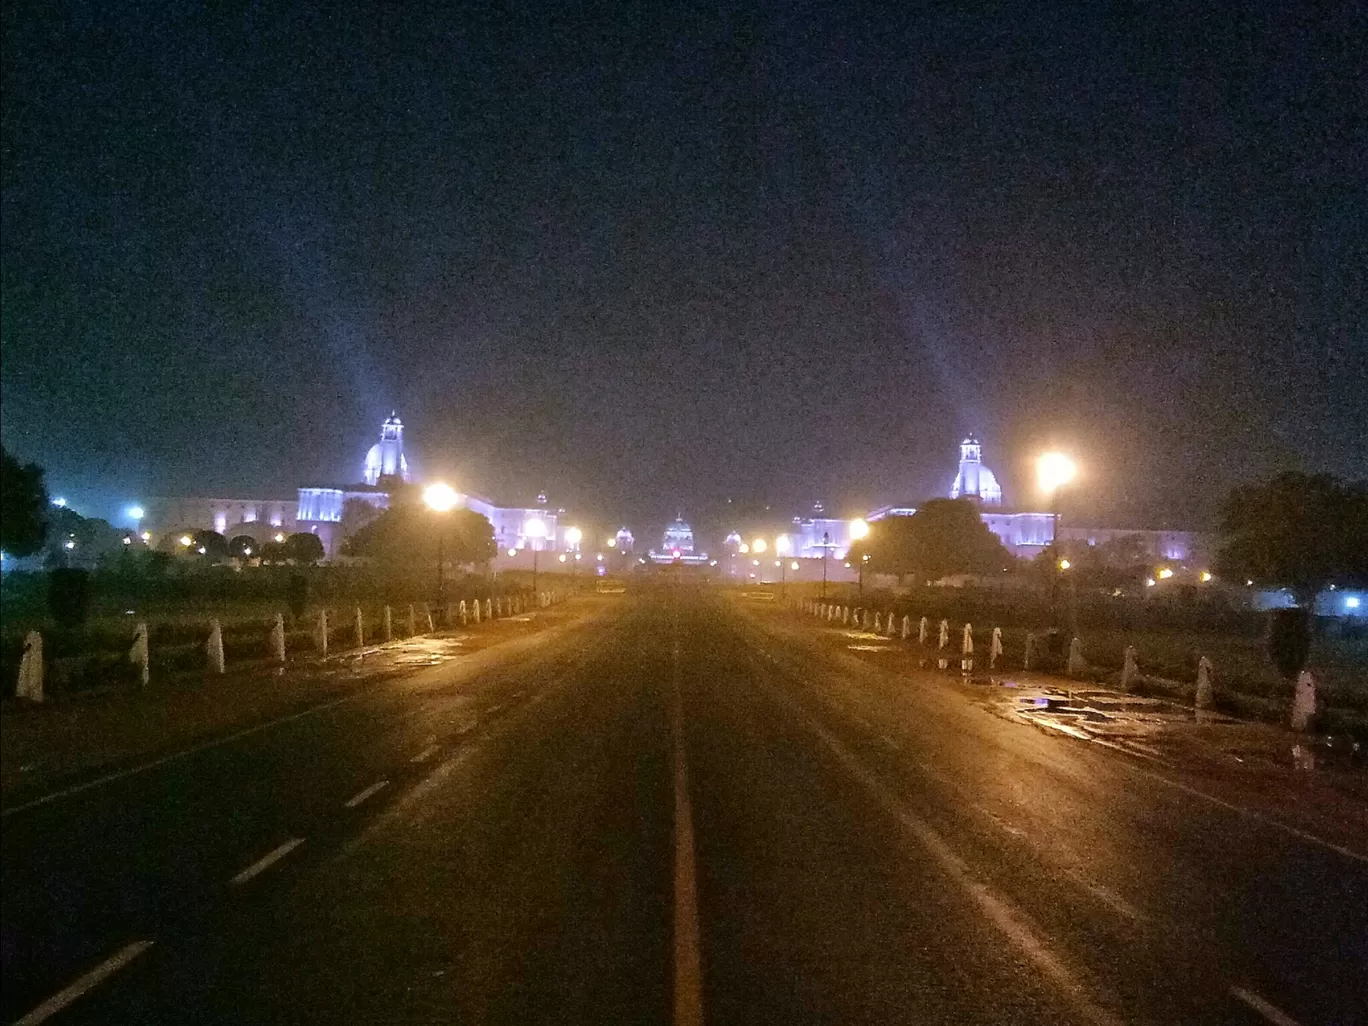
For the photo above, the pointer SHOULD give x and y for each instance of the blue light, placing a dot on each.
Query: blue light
(1351, 602)
(136, 513)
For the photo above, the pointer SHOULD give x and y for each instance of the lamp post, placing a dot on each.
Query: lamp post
(782, 546)
(826, 551)
(859, 530)
(534, 530)
(573, 535)
(1053, 471)
(440, 498)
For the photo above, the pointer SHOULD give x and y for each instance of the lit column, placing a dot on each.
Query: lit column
(1054, 470)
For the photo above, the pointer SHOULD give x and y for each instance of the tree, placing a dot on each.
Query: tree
(23, 507)
(408, 536)
(209, 544)
(356, 514)
(304, 547)
(243, 546)
(1302, 532)
(945, 536)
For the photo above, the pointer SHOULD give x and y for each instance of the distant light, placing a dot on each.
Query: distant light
(1164, 573)
(279, 537)
(60, 502)
(859, 528)
(1149, 582)
(743, 549)
(136, 513)
(127, 540)
(203, 551)
(783, 545)
(1064, 564)
(1351, 602)
(69, 544)
(578, 557)
(1204, 576)
(847, 566)
(186, 540)
(713, 563)
(1054, 470)
(793, 565)
(759, 545)
(562, 557)
(675, 553)
(534, 527)
(146, 536)
(440, 497)
(1249, 584)
(247, 551)
(512, 552)
(755, 562)
(573, 536)
(612, 543)
(599, 556)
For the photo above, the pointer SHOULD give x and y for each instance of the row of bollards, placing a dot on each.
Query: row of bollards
(31, 665)
(1303, 702)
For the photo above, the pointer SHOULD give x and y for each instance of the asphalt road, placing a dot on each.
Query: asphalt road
(671, 811)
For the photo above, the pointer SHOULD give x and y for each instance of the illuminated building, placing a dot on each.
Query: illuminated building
(677, 545)
(974, 480)
(386, 457)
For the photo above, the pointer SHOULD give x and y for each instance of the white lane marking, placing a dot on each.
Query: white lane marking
(426, 754)
(688, 973)
(109, 778)
(84, 984)
(999, 911)
(361, 796)
(1258, 817)
(493, 709)
(1272, 1013)
(268, 860)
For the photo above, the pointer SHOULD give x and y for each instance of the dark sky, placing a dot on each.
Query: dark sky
(648, 257)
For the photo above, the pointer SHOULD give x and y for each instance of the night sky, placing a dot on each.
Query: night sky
(651, 257)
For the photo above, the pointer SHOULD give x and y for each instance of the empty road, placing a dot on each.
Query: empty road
(679, 808)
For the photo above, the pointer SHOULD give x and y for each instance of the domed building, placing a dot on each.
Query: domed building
(386, 457)
(677, 545)
(974, 480)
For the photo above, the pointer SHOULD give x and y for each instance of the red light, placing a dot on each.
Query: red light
(675, 553)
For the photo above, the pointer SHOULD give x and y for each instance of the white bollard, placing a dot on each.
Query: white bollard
(413, 621)
(387, 625)
(922, 631)
(943, 662)
(878, 623)
(1077, 667)
(464, 613)
(213, 648)
(888, 624)
(1029, 658)
(995, 648)
(321, 634)
(1205, 698)
(845, 614)
(489, 609)
(360, 629)
(278, 639)
(139, 655)
(427, 613)
(967, 649)
(498, 606)
(1130, 670)
(475, 608)
(1304, 701)
(30, 687)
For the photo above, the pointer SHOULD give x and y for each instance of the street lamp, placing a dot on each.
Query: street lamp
(440, 498)
(573, 536)
(759, 545)
(534, 529)
(859, 530)
(783, 545)
(826, 551)
(1053, 471)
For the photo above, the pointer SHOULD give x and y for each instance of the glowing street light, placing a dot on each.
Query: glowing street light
(512, 552)
(1064, 564)
(859, 528)
(611, 543)
(136, 513)
(146, 536)
(1164, 573)
(744, 549)
(441, 498)
(759, 545)
(573, 536)
(186, 540)
(1204, 576)
(279, 536)
(59, 502)
(1054, 470)
(783, 545)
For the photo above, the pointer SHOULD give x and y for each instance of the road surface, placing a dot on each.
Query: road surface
(672, 810)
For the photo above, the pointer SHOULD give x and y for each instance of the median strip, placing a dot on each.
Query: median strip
(1270, 1012)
